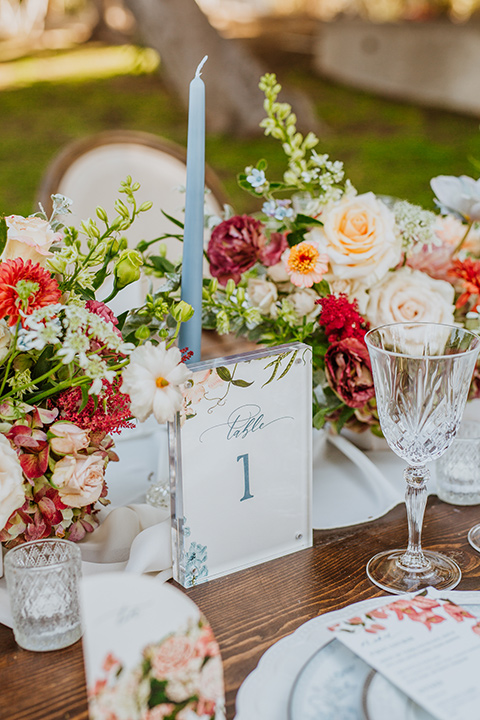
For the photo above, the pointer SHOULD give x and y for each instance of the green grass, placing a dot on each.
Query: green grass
(387, 147)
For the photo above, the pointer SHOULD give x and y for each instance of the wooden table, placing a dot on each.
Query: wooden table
(249, 610)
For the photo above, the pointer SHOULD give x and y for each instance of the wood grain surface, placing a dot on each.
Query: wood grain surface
(249, 610)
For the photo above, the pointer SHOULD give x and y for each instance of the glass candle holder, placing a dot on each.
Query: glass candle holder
(458, 470)
(43, 586)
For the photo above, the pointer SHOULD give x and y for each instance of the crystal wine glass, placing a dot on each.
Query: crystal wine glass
(422, 373)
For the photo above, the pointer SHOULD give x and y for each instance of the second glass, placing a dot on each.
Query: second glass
(43, 585)
(422, 373)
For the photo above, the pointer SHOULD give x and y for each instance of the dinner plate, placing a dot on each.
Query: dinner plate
(380, 694)
(265, 693)
(330, 686)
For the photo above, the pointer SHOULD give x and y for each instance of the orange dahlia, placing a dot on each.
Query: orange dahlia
(25, 287)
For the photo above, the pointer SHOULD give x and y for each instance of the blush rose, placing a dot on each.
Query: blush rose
(79, 479)
(29, 238)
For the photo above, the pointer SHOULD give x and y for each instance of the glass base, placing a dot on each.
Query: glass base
(385, 570)
(158, 495)
(474, 537)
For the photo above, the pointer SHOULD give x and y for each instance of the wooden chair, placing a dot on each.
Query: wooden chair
(90, 170)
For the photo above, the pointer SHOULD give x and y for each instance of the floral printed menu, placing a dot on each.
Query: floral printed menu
(427, 646)
(149, 652)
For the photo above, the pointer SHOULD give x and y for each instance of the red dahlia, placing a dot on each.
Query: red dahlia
(25, 287)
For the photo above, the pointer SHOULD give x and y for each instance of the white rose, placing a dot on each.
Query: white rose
(278, 273)
(359, 237)
(29, 238)
(410, 296)
(262, 294)
(304, 303)
(12, 495)
(5, 339)
(79, 479)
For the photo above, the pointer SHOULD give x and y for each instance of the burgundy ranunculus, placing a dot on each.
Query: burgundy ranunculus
(349, 372)
(238, 243)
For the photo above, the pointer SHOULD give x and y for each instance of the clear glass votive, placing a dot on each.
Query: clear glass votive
(458, 469)
(43, 579)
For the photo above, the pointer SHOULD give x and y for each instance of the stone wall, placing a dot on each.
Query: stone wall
(434, 63)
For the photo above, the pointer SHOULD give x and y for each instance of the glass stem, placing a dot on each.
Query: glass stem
(415, 500)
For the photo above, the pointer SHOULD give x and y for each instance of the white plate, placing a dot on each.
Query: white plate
(330, 686)
(265, 693)
(380, 695)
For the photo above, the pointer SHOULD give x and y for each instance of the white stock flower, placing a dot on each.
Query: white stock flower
(359, 237)
(153, 379)
(410, 296)
(12, 495)
(262, 294)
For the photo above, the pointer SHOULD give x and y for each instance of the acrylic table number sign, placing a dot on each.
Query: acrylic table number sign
(241, 463)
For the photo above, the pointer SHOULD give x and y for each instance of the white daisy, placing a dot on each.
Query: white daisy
(153, 379)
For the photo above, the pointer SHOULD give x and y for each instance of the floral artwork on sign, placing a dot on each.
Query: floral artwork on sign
(241, 467)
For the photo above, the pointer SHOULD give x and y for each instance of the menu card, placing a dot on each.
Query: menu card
(427, 646)
(149, 652)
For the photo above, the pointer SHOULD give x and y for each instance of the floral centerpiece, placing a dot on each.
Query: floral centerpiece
(71, 373)
(321, 263)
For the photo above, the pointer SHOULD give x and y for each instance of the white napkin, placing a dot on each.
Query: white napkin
(134, 538)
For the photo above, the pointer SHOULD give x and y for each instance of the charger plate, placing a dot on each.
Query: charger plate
(265, 693)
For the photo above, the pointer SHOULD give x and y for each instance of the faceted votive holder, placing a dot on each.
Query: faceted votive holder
(43, 579)
(458, 469)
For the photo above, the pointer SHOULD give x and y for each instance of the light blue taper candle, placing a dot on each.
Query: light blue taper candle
(192, 268)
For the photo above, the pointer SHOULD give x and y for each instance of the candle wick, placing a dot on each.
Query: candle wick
(199, 68)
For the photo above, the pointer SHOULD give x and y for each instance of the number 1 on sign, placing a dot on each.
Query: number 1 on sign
(246, 477)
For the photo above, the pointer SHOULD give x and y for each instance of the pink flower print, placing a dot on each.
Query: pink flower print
(159, 712)
(426, 617)
(211, 686)
(400, 607)
(172, 655)
(206, 645)
(373, 629)
(456, 612)
(379, 613)
(476, 628)
(424, 602)
(110, 662)
(355, 621)
(333, 627)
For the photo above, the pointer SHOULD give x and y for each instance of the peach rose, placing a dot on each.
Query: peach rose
(29, 238)
(67, 438)
(79, 479)
(359, 237)
(12, 496)
(410, 296)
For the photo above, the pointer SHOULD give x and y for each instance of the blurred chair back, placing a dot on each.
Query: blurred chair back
(90, 170)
